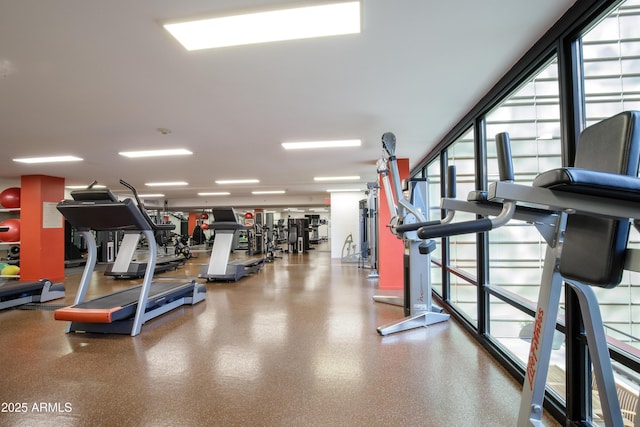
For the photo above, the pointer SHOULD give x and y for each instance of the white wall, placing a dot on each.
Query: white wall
(345, 220)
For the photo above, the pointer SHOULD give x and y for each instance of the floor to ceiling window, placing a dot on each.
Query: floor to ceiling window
(531, 117)
(584, 71)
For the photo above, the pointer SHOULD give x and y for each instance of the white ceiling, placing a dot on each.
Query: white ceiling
(94, 77)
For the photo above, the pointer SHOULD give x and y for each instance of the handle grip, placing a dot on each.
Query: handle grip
(505, 163)
(415, 226)
(451, 182)
(465, 227)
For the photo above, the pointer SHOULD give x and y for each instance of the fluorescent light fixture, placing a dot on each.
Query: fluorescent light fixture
(545, 136)
(156, 153)
(166, 184)
(321, 144)
(343, 190)
(151, 195)
(215, 193)
(269, 192)
(237, 181)
(52, 159)
(336, 178)
(262, 27)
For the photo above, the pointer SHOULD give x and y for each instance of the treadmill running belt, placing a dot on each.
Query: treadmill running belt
(121, 305)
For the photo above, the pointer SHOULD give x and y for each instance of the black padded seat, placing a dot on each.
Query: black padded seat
(607, 159)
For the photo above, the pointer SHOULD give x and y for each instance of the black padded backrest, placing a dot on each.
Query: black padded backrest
(594, 248)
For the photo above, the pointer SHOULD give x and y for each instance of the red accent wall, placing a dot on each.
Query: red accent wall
(192, 222)
(41, 249)
(391, 249)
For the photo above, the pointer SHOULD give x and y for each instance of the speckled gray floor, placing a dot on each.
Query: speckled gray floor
(294, 345)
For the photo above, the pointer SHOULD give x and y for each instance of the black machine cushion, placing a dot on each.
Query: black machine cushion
(103, 215)
(606, 163)
(100, 209)
(594, 183)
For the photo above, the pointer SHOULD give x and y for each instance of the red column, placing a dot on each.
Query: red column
(192, 222)
(390, 248)
(41, 228)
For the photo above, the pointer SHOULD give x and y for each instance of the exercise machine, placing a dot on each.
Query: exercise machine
(126, 267)
(13, 294)
(369, 230)
(584, 214)
(220, 267)
(122, 312)
(298, 236)
(418, 307)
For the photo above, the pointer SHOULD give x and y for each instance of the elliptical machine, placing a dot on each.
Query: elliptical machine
(418, 307)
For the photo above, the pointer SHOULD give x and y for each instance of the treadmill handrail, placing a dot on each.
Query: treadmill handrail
(143, 211)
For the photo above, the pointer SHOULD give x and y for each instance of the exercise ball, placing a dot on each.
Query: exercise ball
(10, 270)
(204, 216)
(13, 234)
(2, 265)
(204, 226)
(10, 198)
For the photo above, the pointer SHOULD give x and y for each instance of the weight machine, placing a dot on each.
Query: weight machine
(584, 215)
(418, 307)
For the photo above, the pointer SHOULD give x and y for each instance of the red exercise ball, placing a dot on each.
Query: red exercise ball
(10, 198)
(204, 216)
(13, 234)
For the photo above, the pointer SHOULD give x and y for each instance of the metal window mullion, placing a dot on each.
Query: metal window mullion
(482, 239)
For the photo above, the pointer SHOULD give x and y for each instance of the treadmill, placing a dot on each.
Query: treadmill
(220, 267)
(122, 312)
(126, 267)
(17, 293)
(13, 294)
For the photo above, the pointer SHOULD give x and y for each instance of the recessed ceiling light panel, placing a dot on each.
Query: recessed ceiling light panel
(237, 181)
(156, 153)
(215, 193)
(269, 192)
(344, 190)
(262, 27)
(336, 178)
(166, 184)
(321, 144)
(52, 159)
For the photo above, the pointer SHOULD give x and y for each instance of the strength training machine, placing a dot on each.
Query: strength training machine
(122, 312)
(418, 306)
(220, 268)
(583, 213)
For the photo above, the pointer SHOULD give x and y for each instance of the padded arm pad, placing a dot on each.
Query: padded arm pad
(590, 182)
